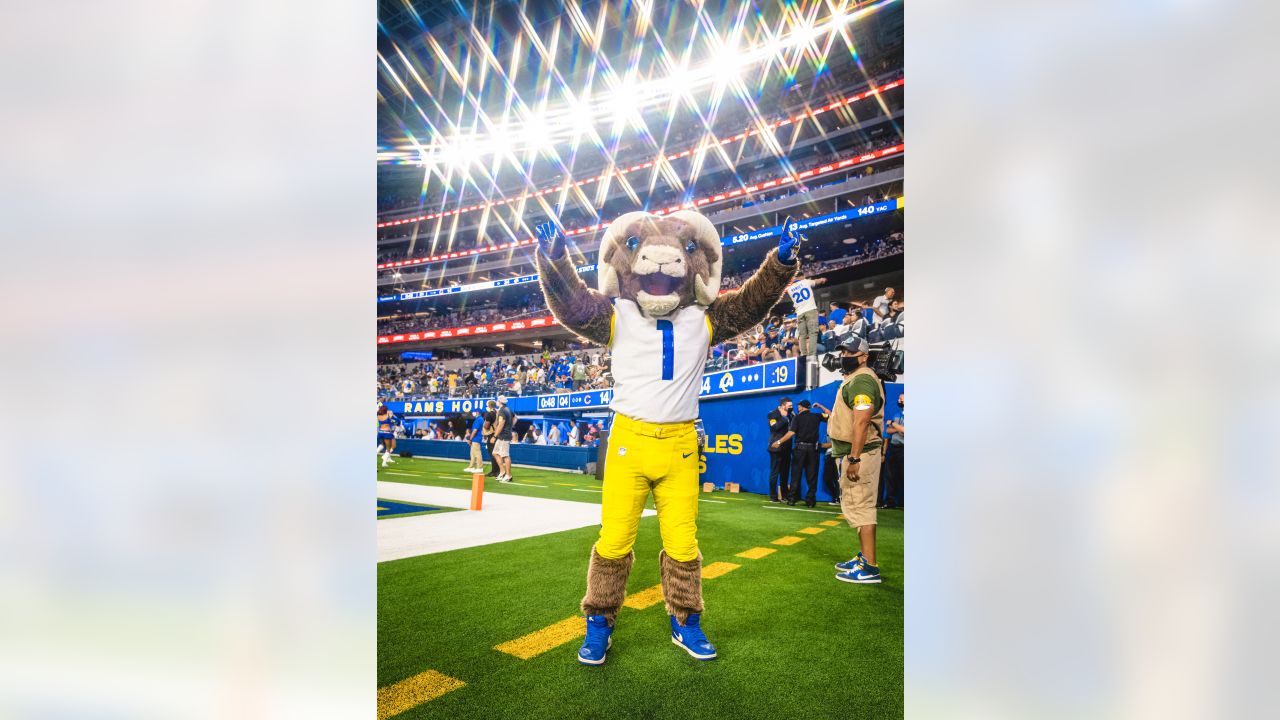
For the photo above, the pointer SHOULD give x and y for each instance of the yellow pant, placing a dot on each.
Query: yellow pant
(643, 456)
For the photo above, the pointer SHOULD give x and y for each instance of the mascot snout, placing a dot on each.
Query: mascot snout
(660, 270)
(661, 263)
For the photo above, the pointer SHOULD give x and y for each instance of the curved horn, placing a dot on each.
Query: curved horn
(706, 292)
(607, 279)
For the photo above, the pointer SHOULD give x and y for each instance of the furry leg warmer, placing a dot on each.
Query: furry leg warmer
(606, 585)
(681, 586)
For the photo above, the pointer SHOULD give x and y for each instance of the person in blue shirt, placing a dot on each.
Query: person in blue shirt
(386, 434)
(897, 429)
(474, 437)
(837, 313)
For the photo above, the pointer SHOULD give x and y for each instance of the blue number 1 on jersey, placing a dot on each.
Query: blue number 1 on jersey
(668, 349)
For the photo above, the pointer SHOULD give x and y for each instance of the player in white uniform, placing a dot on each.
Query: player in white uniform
(658, 310)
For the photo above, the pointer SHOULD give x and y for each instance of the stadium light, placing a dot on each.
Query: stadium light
(633, 94)
(727, 65)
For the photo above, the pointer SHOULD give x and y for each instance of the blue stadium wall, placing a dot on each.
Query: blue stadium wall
(737, 440)
(738, 435)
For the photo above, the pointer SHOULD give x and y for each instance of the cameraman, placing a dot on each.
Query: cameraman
(854, 430)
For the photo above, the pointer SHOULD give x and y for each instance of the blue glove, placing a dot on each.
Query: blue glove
(550, 239)
(789, 244)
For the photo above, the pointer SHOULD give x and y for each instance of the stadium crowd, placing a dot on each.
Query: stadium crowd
(878, 321)
(516, 305)
(717, 183)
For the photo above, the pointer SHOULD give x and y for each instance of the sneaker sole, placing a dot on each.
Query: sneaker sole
(693, 654)
(870, 581)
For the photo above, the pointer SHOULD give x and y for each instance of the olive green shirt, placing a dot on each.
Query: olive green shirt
(866, 386)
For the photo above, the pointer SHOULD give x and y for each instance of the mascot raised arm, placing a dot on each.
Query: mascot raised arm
(658, 310)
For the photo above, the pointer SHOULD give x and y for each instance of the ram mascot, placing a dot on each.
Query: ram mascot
(658, 310)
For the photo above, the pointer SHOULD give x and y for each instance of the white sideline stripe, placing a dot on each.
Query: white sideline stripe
(519, 465)
(396, 472)
(506, 516)
(775, 507)
(585, 490)
(722, 502)
(513, 482)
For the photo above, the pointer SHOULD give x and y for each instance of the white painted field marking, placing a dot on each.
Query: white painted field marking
(396, 472)
(714, 501)
(820, 512)
(506, 516)
(586, 490)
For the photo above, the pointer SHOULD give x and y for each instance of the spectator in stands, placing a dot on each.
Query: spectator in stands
(579, 373)
(836, 313)
(856, 325)
(830, 337)
(880, 306)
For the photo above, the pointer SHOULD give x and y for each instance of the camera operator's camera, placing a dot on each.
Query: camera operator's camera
(887, 364)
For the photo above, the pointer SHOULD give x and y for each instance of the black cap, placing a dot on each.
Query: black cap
(854, 345)
(804, 403)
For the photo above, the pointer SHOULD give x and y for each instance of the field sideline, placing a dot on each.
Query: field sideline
(793, 641)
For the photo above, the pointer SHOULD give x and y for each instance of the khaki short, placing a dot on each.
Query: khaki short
(858, 497)
(502, 447)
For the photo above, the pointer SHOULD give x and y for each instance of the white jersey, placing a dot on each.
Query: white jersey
(657, 362)
(801, 292)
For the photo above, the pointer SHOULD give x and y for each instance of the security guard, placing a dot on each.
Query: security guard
(854, 429)
(780, 450)
(805, 425)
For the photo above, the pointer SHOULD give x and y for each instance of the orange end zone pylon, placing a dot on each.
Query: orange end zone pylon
(477, 490)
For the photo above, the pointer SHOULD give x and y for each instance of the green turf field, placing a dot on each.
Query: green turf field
(793, 642)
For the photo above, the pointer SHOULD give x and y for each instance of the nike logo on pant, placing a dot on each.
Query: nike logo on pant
(686, 455)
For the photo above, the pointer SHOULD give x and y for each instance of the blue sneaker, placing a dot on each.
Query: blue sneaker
(599, 640)
(863, 573)
(690, 637)
(849, 565)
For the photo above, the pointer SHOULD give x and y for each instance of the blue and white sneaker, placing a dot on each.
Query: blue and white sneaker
(690, 637)
(864, 573)
(599, 640)
(849, 565)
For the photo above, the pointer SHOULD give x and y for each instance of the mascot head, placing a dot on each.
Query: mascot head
(663, 263)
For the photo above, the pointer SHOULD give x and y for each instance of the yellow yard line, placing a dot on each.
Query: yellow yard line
(645, 598)
(716, 569)
(830, 523)
(557, 634)
(412, 692)
(787, 540)
(811, 530)
(756, 553)
(540, 641)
